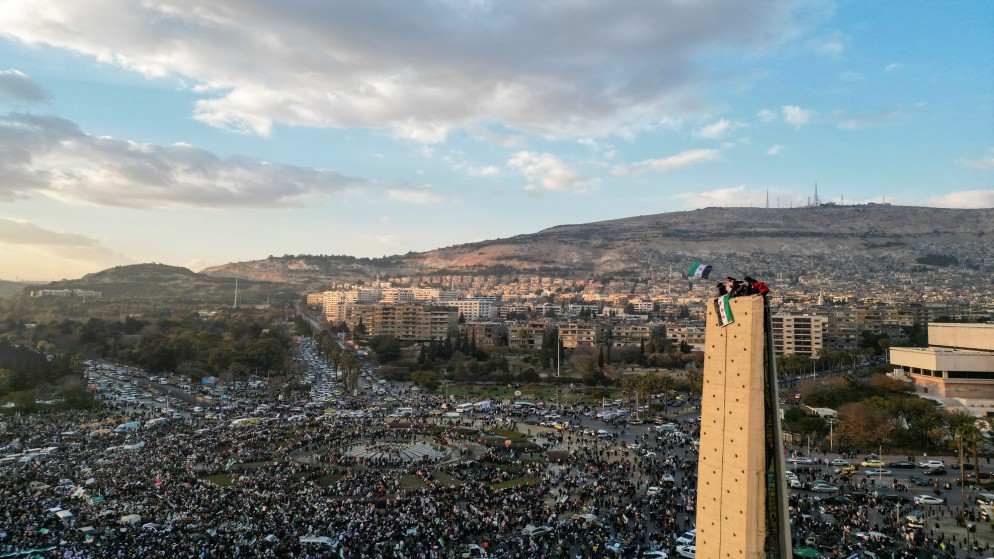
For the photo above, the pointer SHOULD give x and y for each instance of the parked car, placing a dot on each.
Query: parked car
(901, 464)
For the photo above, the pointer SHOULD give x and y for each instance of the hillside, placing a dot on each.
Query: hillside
(868, 237)
(160, 281)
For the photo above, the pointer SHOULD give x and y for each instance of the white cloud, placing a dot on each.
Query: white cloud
(738, 196)
(487, 171)
(963, 199)
(52, 156)
(682, 159)
(417, 69)
(869, 120)
(545, 171)
(766, 115)
(718, 130)
(57, 244)
(774, 150)
(893, 66)
(794, 115)
(422, 195)
(386, 239)
(985, 162)
(18, 87)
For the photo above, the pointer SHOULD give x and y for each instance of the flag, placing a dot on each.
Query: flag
(723, 308)
(699, 270)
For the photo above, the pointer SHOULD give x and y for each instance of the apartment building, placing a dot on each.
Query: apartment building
(692, 334)
(476, 309)
(802, 334)
(526, 336)
(577, 334)
(628, 334)
(406, 322)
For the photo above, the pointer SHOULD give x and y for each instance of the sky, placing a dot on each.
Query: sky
(199, 133)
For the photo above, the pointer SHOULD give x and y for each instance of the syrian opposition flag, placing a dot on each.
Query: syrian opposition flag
(699, 270)
(723, 308)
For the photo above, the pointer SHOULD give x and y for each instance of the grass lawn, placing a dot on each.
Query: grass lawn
(506, 433)
(221, 480)
(329, 480)
(409, 483)
(525, 480)
(446, 479)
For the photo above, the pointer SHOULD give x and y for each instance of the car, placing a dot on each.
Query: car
(688, 538)
(966, 466)
(901, 464)
(894, 498)
(847, 470)
(919, 480)
(654, 554)
(838, 462)
(533, 531)
(931, 464)
(824, 487)
(794, 483)
(872, 463)
(653, 491)
(803, 460)
(685, 551)
(937, 471)
(929, 500)
(877, 472)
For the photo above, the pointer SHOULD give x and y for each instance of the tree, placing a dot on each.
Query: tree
(861, 425)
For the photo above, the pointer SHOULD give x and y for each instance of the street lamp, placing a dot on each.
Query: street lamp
(831, 432)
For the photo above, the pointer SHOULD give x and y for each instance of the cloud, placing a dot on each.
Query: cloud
(52, 156)
(420, 68)
(766, 115)
(682, 159)
(545, 171)
(893, 66)
(985, 162)
(422, 195)
(19, 88)
(774, 150)
(717, 130)
(963, 199)
(738, 196)
(868, 120)
(57, 244)
(795, 115)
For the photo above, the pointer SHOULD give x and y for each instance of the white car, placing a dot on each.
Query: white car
(688, 538)
(931, 464)
(839, 462)
(653, 491)
(800, 460)
(685, 551)
(929, 500)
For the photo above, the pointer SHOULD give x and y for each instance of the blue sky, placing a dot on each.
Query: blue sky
(195, 133)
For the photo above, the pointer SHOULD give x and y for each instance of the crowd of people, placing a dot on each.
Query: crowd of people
(289, 488)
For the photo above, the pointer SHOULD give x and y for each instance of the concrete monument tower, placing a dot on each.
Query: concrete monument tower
(741, 489)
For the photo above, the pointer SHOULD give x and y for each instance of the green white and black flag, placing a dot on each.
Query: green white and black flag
(699, 270)
(723, 308)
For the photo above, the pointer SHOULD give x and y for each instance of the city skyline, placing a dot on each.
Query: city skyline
(198, 135)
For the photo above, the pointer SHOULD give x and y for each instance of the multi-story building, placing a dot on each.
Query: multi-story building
(576, 335)
(958, 363)
(526, 336)
(406, 322)
(692, 334)
(485, 333)
(799, 334)
(475, 309)
(629, 334)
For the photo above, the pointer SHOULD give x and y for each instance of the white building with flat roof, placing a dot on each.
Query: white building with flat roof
(958, 363)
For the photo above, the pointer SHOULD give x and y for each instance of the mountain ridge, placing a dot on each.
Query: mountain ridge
(635, 246)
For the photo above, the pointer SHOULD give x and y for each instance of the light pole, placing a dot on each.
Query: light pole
(831, 433)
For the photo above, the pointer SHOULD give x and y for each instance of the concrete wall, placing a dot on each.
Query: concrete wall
(966, 336)
(940, 360)
(730, 490)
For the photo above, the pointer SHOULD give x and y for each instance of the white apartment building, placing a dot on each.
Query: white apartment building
(799, 334)
(475, 309)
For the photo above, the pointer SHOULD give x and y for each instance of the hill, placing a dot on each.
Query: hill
(876, 237)
(159, 281)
